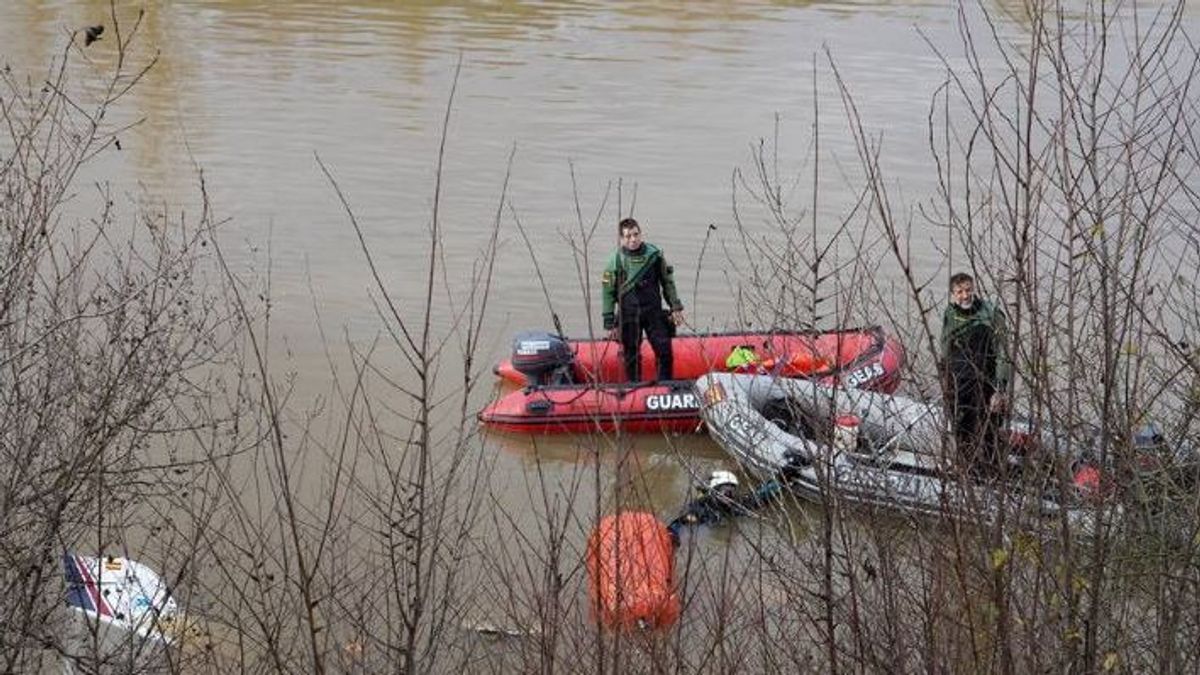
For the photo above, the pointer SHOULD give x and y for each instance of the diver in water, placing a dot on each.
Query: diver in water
(719, 499)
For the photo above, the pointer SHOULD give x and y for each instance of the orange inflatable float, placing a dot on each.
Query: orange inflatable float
(630, 561)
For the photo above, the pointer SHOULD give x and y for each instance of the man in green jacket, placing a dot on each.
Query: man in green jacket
(636, 280)
(976, 371)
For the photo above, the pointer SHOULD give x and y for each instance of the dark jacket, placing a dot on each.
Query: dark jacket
(637, 281)
(975, 346)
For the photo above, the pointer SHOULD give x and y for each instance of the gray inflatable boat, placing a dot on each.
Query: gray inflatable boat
(901, 455)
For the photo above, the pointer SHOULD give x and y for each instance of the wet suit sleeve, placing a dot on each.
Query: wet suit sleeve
(947, 329)
(1003, 361)
(943, 362)
(695, 513)
(667, 279)
(763, 495)
(609, 285)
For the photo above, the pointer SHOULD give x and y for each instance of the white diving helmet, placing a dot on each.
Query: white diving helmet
(720, 478)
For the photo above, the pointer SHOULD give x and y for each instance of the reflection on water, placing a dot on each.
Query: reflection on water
(571, 448)
(656, 472)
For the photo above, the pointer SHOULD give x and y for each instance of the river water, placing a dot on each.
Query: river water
(603, 108)
(662, 100)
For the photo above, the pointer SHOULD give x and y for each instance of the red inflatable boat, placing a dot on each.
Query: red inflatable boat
(578, 388)
(599, 361)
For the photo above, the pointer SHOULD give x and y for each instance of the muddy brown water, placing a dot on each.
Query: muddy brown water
(647, 107)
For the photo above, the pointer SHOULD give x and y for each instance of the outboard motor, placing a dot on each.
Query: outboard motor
(1154, 453)
(543, 358)
(1149, 438)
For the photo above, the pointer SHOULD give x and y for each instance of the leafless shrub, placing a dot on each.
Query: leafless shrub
(141, 402)
(111, 333)
(1066, 160)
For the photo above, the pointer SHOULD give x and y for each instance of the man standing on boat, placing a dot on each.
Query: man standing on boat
(636, 279)
(976, 370)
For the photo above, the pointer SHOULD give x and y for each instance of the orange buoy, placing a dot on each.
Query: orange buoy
(630, 561)
(1090, 484)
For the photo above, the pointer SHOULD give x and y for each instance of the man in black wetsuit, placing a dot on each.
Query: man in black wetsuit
(719, 500)
(636, 280)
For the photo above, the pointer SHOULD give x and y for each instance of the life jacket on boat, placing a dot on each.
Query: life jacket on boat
(743, 359)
